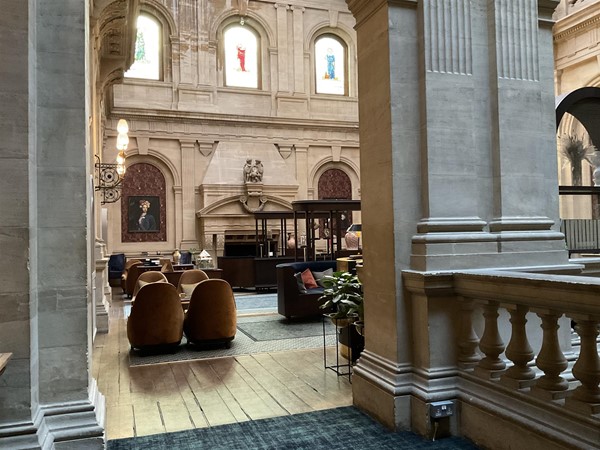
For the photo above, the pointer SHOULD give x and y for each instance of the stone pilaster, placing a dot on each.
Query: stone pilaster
(188, 236)
(282, 47)
(443, 186)
(48, 398)
(298, 24)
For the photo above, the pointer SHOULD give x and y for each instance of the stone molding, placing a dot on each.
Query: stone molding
(389, 376)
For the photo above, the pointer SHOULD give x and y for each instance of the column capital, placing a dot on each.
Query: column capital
(281, 5)
(363, 9)
(187, 143)
(298, 8)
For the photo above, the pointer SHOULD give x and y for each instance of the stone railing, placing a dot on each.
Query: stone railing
(560, 382)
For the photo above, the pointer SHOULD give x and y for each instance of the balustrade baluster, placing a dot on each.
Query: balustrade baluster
(468, 339)
(518, 350)
(491, 344)
(550, 359)
(586, 397)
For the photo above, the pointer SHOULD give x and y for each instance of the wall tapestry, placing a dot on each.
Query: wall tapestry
(143, 204)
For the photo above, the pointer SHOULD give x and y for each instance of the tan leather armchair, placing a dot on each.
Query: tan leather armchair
(189, 279)
(128, 264)
(152, 276)
(212, 315)
(156, 320)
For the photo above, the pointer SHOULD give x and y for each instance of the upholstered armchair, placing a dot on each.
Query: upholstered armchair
(156, 320)
(212, 316)
(189, 279)
(126, 280)
(116, 266)
(152, 276)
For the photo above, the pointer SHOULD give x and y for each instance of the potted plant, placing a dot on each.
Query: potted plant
(343, 294)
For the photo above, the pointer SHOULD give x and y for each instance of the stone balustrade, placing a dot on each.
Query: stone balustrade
(548, 297)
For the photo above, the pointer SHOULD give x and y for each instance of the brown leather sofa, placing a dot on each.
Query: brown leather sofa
(291, 302)
(212, 316)
(156, 320)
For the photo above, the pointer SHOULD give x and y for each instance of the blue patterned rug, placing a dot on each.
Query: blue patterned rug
(340, 428)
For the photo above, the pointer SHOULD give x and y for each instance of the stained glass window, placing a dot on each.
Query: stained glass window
(330, 66)
(147, 51)
(241, 57)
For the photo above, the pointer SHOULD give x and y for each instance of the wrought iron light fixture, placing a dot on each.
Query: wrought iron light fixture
(109, 176)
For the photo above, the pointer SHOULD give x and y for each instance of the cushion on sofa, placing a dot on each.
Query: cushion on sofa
(320, 275)
(300, 283)
(308, 279)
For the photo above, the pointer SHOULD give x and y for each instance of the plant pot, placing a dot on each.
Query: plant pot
(342, 322)
(352, 342)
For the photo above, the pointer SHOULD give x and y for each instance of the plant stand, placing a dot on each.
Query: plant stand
(340, 368)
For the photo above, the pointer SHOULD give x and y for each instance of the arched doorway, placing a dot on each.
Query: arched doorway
(335, 184)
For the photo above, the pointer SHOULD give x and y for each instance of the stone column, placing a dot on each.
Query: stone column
(48, 397)
(449, 92)
(178, 190)
(188, 237)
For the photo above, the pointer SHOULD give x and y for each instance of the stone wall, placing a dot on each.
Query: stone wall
(199, 132)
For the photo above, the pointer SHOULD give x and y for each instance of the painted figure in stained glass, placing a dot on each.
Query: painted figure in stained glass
(241, 56)
(140, 47)
(330, 75)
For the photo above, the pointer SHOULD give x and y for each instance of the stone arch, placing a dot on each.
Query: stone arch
(162, 13)
(345, 164)
(167, 167)
(584, 105)
(144, 181)
(232, 16)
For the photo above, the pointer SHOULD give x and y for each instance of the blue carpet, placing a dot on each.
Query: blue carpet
(340, 428)
(256, 303)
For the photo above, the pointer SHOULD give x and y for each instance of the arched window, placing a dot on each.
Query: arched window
(241, 48)
(147, 50)
(330, 65)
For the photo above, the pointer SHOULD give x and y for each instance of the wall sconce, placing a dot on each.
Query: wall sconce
(109, 176)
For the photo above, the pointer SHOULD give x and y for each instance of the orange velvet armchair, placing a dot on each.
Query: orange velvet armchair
(189, 279)
(212, 316)
(156, 320)
(152, 276)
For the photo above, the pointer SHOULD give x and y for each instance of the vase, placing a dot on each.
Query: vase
(291, 242)
(176, 256)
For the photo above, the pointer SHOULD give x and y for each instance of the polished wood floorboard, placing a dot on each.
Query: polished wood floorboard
(204, 393)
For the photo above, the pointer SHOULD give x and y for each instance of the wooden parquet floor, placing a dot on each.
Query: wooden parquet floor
(177, 396)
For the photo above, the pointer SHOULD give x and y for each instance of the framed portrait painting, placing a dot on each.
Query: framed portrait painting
(143, 214)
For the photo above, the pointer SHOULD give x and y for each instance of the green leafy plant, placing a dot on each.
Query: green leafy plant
(343, 293)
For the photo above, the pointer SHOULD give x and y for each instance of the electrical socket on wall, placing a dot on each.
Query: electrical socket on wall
(445, 408)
